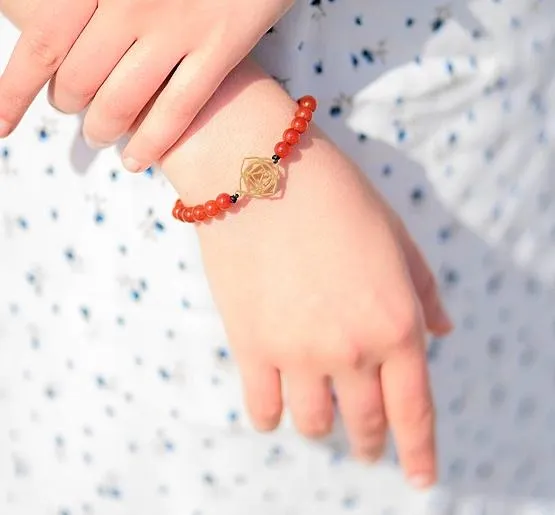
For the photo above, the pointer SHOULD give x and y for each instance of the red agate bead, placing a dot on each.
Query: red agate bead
(199, 213)
(304, 112)
(282, 149)
(188, 215)
(299, 124)
(291, 137)
(224, 201)
(211, 208)
(308, 101)
(303, 115)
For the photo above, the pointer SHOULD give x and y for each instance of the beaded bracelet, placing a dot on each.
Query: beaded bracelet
(259, 176)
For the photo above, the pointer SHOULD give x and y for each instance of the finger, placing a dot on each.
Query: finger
(38, 54)
(436, 317)
(362, 409)
(76, 81)
(127, 90)
(409, 410)
(262, 392)
(311, 404)
(193, 84)
(146, 109)
(20, 12)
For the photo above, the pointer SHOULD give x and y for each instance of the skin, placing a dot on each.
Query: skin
(321, 287)
(101, 54)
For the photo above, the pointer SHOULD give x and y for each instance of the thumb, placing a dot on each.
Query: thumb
(437, 319)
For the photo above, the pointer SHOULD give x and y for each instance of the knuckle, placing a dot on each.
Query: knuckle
(404, 324)
(119, 111)
(374, 423)
(43, 52)
(176, 109)
(305, 356)
(79, 95)
(351, 356)
(302, 356)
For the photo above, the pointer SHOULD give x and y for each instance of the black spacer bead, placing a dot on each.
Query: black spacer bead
(275, 158)
(234, 198)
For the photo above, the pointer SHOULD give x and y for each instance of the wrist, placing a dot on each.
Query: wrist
(245, 118)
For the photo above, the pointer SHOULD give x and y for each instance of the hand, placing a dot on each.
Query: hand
(324, 288)
(39, 51)
(120, 52)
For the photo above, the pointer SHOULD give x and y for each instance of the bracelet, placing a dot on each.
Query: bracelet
(259, 176)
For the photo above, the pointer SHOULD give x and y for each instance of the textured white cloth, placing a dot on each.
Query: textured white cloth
(117, 392)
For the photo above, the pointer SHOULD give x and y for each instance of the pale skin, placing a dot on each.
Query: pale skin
(323, 287)
(96, 53)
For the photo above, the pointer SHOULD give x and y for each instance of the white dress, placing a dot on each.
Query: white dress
(118, 395)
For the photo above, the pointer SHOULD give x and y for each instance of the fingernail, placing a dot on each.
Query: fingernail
(131, 164)
(421, 481)
(370, 455)
(96, 145)
(371, 459)
(5, 128)
(444, 319)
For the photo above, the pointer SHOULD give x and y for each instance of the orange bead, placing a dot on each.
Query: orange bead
(304, 112)
(291, 137)
(188, 215)
(308, 101)
(179, 203)
(282, 149)
(224, 201)
(299, 124)
(199, 213)
(181, 214)
(211, 208)
(176, 210)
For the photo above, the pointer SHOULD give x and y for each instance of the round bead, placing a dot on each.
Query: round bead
(282, 149)
(188, 215)
(291, 137)
(299, 124)
(304, 112)
(199, 213)
(308, 101)
(176, 210)
(211, 208)
(181, 214)
(224, 201)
